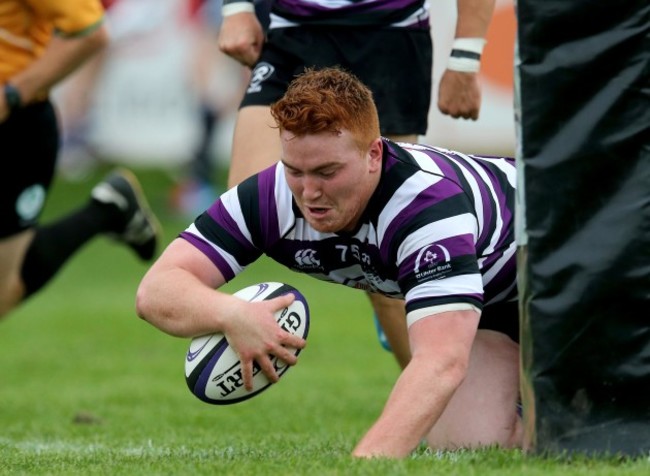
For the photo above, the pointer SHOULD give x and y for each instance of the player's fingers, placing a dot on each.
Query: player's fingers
(268, 368)
(293, 341)
(247, 373)
(281, 302)
(286, 356)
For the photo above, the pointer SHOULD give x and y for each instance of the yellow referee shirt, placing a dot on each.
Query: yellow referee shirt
(26, 27)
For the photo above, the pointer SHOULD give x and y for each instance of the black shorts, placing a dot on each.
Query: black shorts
(502, 317)
(29, 139)
(396, 64)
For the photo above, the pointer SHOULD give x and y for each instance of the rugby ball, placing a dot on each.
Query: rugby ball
(213, 371)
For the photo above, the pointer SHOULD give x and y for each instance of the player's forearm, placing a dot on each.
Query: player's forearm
(474, 18)
(417, 401)
(179, 304)
(62, 57)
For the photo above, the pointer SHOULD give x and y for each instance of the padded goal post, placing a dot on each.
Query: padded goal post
(583, 119)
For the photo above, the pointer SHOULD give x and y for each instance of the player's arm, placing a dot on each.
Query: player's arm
(62, 56)
(459, 93)
(241, 35)
(178, 296)
(440, 346)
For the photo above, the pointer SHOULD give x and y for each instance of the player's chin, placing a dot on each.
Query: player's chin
(323, 226)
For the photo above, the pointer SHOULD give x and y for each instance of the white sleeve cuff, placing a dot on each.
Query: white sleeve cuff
(418, 314)
(237, 7)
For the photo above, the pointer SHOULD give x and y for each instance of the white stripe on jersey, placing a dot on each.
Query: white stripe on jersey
(283, 200)
(434, 232)
(505, 167)
(454, 285)
(425, 161)
(230, 202)
(498, 264)
(227, 257)
(368, 234)
(498, 225)
(401, 199)
(476, 191)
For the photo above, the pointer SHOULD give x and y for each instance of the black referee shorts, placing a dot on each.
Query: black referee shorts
(396, 64)
(29, 139)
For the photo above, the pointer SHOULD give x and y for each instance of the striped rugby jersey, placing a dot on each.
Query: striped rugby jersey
(358, 13)
(438, 230)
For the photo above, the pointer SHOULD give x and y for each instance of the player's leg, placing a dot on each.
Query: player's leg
(390, 317)
(12, 251)
(256, 143)
(31, 254)
(401, 86)
(483, 411)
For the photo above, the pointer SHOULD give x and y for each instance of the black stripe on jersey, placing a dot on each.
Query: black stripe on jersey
(460, 265)
(342, 17)
(452, 206)
(462, 182)
(390, 181)
(221, 237)
(437, 301)
(248, 194)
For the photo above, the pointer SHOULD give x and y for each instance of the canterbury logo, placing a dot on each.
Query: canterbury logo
(307, 258)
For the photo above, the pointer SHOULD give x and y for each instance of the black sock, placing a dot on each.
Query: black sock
(55, 243)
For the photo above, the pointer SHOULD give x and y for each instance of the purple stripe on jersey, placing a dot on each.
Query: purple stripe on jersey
(506, 277)
(221, 216)
(485, 200)
(407, 14)
(444, 164)
(461, 245)
(391, 160)
(508, 219)
(310, 8)
(211, 253)
(425, 199)
(267, 205)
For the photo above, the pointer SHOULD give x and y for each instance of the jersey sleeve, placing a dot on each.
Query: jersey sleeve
(243, 223)
(71, 18)
(434, 243)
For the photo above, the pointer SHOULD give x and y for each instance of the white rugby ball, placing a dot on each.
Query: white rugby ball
(213, 371)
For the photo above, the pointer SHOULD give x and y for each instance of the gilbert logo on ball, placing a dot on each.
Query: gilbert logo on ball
(213, 371)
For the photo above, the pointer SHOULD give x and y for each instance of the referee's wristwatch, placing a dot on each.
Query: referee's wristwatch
(12, 97)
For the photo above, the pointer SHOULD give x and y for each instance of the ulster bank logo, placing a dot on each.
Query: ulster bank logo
(307, 259)
(432, 262)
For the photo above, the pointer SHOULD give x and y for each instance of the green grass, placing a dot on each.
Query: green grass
(88, 388)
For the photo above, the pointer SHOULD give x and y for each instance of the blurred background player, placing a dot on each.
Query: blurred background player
(217, 82)
(40, 44)
(129, 22)
(387, 44)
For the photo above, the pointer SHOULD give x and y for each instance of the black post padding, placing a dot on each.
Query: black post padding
(584, 105)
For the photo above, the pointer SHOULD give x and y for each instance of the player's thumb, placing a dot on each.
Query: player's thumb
(284, 301)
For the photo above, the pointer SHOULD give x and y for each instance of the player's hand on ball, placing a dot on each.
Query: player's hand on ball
(264, 331)
(256, 336)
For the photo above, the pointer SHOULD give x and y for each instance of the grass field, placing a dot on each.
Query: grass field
(88, 388)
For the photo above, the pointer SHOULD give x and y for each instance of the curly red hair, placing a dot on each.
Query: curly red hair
(328, 100)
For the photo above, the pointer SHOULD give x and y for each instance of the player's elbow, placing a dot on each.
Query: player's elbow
(145, 303)
(98, 40)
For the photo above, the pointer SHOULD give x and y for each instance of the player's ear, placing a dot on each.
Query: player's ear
(375, 153)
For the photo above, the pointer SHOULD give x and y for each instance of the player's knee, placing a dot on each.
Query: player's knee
(11, 293)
